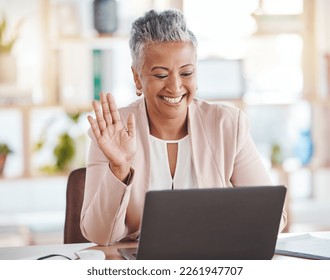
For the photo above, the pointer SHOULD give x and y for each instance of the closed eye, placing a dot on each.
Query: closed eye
(187, 74)
(161, 76)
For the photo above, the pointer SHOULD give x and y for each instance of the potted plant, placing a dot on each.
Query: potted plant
(8, 38)
(4, 151)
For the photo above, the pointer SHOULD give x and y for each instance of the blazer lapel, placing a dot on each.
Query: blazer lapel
(207, 171)
(142, 157)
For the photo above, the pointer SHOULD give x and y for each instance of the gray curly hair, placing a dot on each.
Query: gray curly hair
(158, 27)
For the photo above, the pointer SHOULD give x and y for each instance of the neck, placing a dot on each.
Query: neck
(172, 129)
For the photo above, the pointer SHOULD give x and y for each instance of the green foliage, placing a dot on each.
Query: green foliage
(74, 116)
(39, 145)
(276, 155)
(7, 39)
(64, 151)
(4, 149)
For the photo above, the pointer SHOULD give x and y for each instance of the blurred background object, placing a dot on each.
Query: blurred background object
(105, 16)
(7, 60)
(4, 152)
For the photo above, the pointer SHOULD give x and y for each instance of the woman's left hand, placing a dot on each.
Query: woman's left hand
(117, 142)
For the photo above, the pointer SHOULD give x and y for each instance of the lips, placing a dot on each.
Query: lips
(172, 100)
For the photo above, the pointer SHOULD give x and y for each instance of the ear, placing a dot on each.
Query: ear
(136, 78)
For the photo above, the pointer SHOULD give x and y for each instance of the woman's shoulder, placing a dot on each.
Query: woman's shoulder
(131, 108)
(220, 118)
(221, 109)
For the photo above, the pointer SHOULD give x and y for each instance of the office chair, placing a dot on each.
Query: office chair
(74, 199)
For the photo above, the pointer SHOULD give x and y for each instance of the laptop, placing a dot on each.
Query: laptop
(210, 224)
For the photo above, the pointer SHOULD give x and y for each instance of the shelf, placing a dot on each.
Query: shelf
(11, 94)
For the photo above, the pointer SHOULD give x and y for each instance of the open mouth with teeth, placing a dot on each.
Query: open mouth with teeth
(172, 100)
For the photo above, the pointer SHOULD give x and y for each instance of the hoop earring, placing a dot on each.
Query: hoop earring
(139, 92)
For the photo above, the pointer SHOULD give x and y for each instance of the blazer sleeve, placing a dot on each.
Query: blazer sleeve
(249, 169)
(105, 200)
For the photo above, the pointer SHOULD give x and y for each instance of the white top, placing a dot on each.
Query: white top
(161, 178)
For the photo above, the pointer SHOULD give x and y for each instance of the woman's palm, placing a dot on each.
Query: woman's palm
(116, 142)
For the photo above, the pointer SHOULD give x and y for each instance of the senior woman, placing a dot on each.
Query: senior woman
(166, 140)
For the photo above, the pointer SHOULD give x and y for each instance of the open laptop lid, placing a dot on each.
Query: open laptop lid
(219, 223)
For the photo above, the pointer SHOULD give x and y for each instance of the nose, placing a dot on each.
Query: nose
(174, 84)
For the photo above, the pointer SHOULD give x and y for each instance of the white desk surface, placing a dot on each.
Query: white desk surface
(33, 252)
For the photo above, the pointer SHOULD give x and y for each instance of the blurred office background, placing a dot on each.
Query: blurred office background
(271, 58)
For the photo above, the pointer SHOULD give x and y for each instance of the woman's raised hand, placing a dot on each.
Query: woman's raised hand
(117, 142)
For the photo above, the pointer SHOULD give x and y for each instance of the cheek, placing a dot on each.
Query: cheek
(152, 87)
(192, 91)
(192, 87)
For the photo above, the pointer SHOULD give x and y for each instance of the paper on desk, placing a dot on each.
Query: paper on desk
(304, 246)
(79, 255)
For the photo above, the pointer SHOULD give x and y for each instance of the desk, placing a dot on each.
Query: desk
(27, 252)
(15, 253)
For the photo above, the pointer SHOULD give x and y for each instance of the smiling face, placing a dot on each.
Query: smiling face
(168, 79)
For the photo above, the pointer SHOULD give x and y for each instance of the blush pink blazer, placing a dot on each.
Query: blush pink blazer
(223, 155)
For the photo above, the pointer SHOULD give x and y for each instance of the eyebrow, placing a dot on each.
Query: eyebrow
(164, 68)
